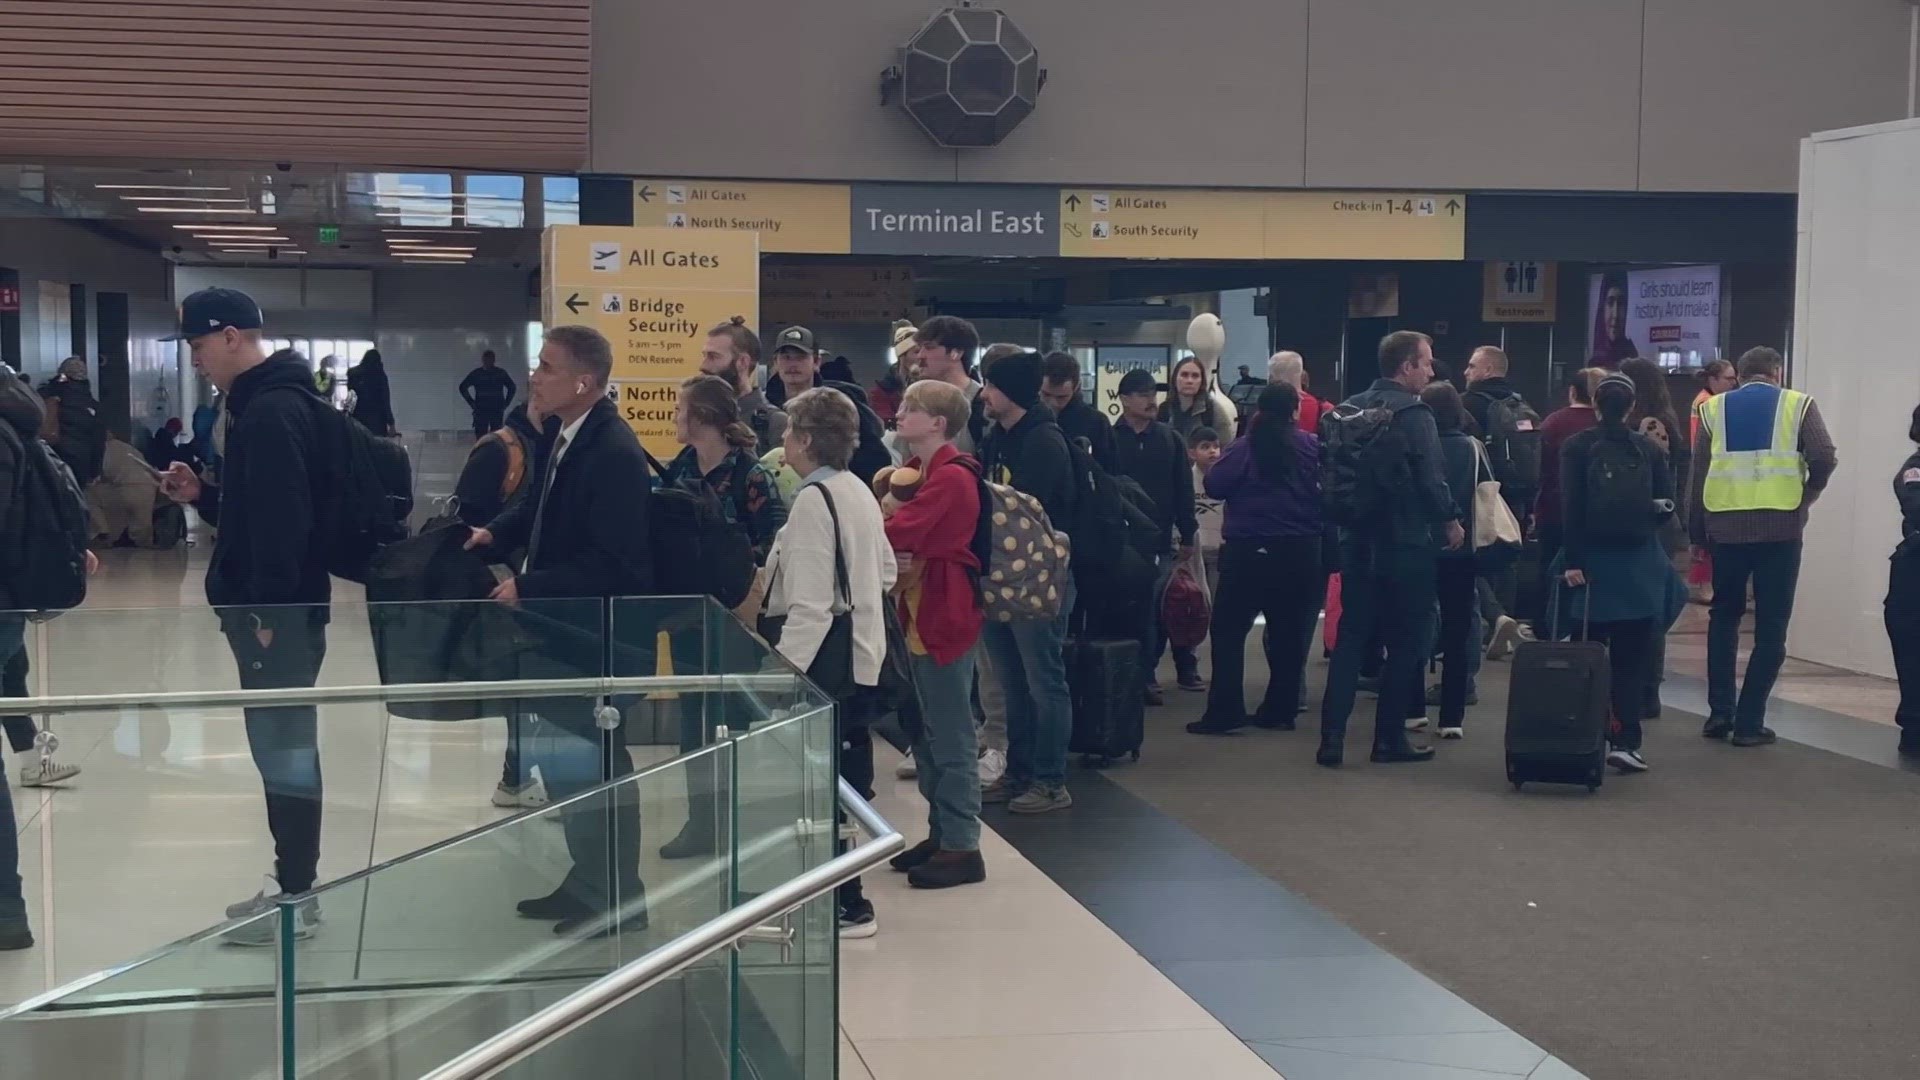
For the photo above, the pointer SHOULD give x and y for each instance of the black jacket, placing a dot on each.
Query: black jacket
(479, 489)
(487, 387)
(1157, 460)
(1080, 420)
(20, 419)
(372, 397)
(1906, 489)
(274, 479)
(1417, 517)
(81, 440)
(592, 516)
(1031, 456)
(1482, 394)
(1462, 459)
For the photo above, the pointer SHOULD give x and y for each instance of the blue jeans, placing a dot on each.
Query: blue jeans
(1388, 590)
(1775, 570)
(12, 905)
(946, 754)
(1030, 660)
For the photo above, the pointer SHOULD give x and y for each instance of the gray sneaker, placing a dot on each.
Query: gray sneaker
(1041, 798)
(265, 929)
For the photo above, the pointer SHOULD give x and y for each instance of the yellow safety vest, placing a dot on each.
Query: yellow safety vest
(1771, 478)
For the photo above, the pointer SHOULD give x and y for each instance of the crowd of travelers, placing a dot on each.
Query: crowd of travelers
(972, 554)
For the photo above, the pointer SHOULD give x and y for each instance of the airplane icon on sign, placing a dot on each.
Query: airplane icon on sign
(606, 257)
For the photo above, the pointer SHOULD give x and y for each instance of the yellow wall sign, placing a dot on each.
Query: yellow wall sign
(789, 217)
(1176, 223)
(654, 293)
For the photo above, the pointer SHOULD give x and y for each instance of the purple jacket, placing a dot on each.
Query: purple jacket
(1261, 509)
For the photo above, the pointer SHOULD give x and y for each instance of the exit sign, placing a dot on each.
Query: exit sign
(329, 234)
(9, 299)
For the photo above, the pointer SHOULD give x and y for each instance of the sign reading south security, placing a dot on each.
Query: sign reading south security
(794, 217)
(654, 293)
(955, 219)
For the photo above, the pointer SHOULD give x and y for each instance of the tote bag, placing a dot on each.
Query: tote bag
(1496, 532)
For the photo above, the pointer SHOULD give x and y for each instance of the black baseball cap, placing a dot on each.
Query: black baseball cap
(795, 337)
(210, 311)
(1138, 381)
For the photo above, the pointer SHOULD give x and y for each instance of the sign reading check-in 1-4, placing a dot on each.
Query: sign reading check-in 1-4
(1012, 220)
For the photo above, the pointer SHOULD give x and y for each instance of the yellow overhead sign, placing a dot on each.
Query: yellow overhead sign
(790, 217)
(1178, 223)
(654, 293)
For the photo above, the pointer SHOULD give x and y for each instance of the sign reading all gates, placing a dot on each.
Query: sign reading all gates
(1186, 223)
(809, 218)
(654, 293)
(1519, 292)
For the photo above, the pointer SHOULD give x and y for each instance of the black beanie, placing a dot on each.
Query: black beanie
(1018, 377)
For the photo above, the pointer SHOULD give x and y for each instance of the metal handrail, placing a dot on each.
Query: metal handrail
(591, 686)
(604, 995)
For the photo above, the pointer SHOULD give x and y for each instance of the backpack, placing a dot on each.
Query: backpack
(1363, 465)
(369, 492)
(762, 429)
(1513, 444)
(1119, 541)
(47, 566)
(1022, 559)
(516, 472)
(1619, 498)
(696, 540)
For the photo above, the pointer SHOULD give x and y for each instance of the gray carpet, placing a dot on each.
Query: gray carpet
(1736, 914)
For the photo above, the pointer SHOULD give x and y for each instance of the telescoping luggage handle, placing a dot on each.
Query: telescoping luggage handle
(1553, 612)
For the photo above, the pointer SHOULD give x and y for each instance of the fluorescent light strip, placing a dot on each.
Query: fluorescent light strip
(193, 210)
(180, 198)
(412, 249)
(223, 227)
(409, 255)
(249, 251)
(431, 232)
(216, 237)
(156, 187)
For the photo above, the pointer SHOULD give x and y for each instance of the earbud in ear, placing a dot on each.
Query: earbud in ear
(579, 388)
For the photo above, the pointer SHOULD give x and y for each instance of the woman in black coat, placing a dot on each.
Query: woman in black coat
(1457, 574)
(372, 397)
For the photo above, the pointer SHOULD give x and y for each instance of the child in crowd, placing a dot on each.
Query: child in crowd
(1203, 450)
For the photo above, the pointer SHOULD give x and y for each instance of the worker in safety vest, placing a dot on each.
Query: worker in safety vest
(1762, 455)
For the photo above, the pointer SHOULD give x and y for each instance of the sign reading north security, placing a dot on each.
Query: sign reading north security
(1181, 223)
(808, 218)
(654, 293)
(955, 219)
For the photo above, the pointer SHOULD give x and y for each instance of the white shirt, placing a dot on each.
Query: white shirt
(800, 567)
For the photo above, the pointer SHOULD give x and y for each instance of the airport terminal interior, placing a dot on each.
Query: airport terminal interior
(574, 829)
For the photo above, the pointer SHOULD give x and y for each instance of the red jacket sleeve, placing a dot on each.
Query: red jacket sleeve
(940, 519)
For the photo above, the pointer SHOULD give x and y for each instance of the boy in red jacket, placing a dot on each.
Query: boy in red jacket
(932, 537)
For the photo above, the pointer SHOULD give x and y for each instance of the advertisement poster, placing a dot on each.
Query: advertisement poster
(1374, 296)
(1112, 362)
(1670, 314)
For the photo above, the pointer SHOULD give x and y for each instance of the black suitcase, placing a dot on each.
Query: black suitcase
(1558, 705)
(1109, 702)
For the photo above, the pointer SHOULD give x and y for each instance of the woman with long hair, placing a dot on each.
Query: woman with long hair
(1610, 341)
(372, 397)
(1617, 492)
(719, 450)
(1457, 573)
(1193, 403)
(1269, 563)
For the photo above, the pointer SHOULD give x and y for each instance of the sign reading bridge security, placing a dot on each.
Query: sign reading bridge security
(654, 293)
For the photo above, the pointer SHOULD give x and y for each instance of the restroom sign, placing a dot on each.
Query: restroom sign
(1519, 292)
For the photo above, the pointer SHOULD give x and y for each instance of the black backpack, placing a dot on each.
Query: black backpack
(1363, 465)
(692, 535)
(870, 455)
(1619, 497)
(368, 492)
(47, 560)
(1513, 445)
(1115, 540)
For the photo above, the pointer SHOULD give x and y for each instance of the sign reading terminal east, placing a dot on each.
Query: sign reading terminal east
(955, 219)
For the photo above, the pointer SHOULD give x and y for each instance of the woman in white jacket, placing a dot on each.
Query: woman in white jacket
(822, 428)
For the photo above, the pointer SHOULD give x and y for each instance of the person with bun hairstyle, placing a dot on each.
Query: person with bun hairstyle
(719, 449)
(1617, 490)
(731, 353)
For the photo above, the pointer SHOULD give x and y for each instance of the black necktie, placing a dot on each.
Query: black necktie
(540, 511)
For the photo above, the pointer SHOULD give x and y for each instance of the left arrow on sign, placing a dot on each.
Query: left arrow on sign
(574, 303)
(646, 193)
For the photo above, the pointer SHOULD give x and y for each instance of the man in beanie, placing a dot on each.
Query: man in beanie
(1025, 449)
(1154, 455)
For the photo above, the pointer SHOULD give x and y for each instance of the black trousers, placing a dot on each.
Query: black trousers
(1282, 579)
(1630, 653)
(1456, 582)
(13, 683)
(856, 768)
(1903, 633)
(285, 742)
(488, 418)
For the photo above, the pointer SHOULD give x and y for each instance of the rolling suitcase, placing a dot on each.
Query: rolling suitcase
(1109, 706)
(1558, 706)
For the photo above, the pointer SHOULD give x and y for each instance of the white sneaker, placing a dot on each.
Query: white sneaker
(1417, 723)
(265, 931)
(1627, 761)
(1452, 733)
(534, 795)
(45, 772)
(993, 766)
(531, 795)
(906, 770)
(263, 900)
(1506, 635)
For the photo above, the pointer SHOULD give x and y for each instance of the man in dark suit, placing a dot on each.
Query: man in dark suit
(584, 529)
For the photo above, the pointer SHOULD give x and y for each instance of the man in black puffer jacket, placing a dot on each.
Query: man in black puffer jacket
(796, 368)
(268, 576)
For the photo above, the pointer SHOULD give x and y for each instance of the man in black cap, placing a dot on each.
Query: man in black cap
(1025, 450)
(268, 575)
(796, 368)
(1155, 456)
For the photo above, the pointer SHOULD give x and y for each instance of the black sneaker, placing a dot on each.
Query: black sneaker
(694, 841)
(1208, 725)
(1330, 754)
(1763, 737)
(1193, 683)
(1910, 742)
(1273, 723)
(1368, 684)
(601, 924)
(915, 855)
(1153, 696)
(1397, 755)
(556, 906)
(857, 920)
(947, 869)
(1717, 727)
(15, 935)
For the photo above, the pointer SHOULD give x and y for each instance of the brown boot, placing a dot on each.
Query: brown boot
(947, 869)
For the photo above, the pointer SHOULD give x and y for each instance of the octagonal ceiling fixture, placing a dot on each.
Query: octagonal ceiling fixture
(968, 78)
